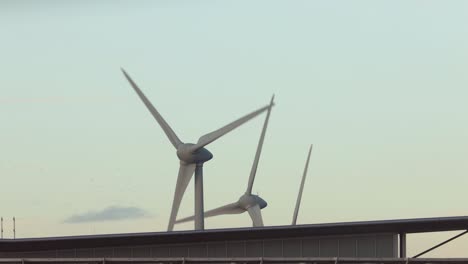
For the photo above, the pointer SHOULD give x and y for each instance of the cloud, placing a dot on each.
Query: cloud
(56, 99)
(111, 213)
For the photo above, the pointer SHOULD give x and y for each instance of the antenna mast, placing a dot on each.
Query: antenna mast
(1, 226)
(14, 228)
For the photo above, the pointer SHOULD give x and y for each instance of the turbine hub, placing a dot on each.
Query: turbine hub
(185, 154)
(248, 200)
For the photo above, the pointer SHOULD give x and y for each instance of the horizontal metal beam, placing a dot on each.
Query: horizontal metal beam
(238, 260)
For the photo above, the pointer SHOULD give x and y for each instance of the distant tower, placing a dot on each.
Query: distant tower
(1, 226)
(14, 228)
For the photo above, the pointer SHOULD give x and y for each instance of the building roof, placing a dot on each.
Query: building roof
(417, 225)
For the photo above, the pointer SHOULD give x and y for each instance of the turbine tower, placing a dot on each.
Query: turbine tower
(247, 202)
(299, 196)
(191, 156)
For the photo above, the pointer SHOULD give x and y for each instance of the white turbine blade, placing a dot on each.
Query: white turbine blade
(299, 197)
(232, 208)
(256, 215)
(185, 174)
(210, 137)
(253, 171)
(167, 129)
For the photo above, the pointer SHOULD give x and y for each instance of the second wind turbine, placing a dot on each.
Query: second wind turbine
(248, 202)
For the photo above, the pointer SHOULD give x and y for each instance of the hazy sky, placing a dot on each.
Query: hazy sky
(379, 87)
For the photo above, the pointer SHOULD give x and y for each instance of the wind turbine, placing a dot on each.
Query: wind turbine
(248, 201)
(191, 156)
(299, 197)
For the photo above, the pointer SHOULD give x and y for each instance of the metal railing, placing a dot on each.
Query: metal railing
(235, 260)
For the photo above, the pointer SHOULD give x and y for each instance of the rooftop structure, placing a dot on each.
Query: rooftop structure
(366, 239)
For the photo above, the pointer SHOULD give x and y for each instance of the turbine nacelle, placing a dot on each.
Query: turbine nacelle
(249, 200)
(187, 154)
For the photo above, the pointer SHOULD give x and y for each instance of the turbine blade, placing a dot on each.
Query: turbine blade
(299, 197)
(185, 175)
(253, 171)
(210, 137)
(232, 208)
(256, 215)
(167, 129)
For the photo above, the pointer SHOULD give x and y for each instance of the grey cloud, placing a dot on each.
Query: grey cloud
(57, 99)
(110, 213)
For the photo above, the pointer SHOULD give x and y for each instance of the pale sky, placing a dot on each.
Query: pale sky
(379, 88)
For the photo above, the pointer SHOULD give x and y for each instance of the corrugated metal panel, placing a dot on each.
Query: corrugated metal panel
(103, 252)
(179, 251)
(382, 245)
(236, 249)
(254, 248)
(310, 247)
(273, 248)
(217, 250)
(88, 252)
(161, 252)
(329, 247)
(348, 247)
(366, 247)
(198, 250)
(141, 252)
(292, 248)
(385, 246)
(68, 253)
